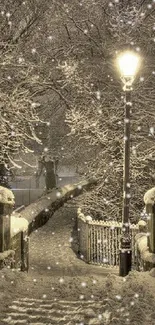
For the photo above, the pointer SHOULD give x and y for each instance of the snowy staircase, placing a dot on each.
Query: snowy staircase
(26, 311)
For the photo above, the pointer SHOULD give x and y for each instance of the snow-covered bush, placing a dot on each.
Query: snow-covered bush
(149, 197)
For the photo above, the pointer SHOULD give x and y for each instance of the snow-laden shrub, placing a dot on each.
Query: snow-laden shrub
(149, 197)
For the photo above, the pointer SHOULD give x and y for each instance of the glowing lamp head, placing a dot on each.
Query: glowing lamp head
(128, 63)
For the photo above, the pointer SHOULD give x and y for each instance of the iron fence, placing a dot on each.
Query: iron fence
(99, 241)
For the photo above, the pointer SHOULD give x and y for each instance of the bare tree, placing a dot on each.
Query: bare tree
(92, 33)
(18, 112)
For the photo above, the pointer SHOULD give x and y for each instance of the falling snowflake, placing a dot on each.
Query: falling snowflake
(8, 14)
(58, 194)
(33, 51)
(83, 284)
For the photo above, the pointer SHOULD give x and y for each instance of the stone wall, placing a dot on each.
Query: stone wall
(36, 215)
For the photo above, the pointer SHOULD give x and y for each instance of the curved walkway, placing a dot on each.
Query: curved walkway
(59, 287)
(53, 247)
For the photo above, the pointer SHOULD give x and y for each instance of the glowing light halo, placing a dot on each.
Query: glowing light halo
(128, 63)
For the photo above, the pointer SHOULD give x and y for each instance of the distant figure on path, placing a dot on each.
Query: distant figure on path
(49, 164)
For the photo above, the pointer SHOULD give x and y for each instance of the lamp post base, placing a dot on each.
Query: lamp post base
(125, 262)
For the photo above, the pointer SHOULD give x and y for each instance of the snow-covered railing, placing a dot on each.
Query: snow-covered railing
(15, 227)
(99, 240)
(38, 213)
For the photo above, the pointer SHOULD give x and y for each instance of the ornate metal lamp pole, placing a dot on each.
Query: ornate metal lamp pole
(128, 64)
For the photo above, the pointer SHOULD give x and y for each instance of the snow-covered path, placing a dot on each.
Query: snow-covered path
(57, 278)
(53, 248)
(62, 289)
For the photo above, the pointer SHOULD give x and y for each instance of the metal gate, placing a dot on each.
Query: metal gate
(99, 241)
(104, 241)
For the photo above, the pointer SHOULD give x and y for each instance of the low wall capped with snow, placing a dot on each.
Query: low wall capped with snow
(33, 216)
(40, 211)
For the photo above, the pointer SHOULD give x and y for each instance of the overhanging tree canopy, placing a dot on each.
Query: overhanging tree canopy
(92, 33)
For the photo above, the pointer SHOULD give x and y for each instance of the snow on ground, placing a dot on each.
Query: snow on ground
(56, 273)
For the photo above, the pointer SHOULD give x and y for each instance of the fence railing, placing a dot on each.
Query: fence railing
(99, 241)
(25, 191)
(16, 227)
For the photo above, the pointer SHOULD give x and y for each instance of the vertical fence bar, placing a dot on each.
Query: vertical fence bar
(103, 239)
(108, 231)
(97, 255)
(106, 243)
(89, 226)
(108, 259)
(115, 236)
(94, 245)
(110, 245)
(132, 245)
(113, 246)
(100, 247)
(102, 244)
(116, 244)
(90, 243)
(119, 236)
(87, 242)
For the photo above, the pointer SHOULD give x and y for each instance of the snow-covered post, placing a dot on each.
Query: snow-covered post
(6, 206)
(84, 238)
(149, 200)
(88, 220)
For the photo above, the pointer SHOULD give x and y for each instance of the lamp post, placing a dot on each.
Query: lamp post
(128, 64)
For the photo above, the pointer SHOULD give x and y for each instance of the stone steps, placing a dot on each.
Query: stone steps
(52, 312)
